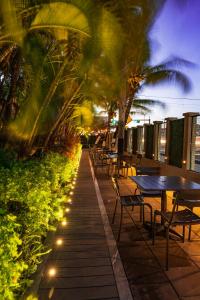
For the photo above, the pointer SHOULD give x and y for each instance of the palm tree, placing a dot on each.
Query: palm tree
(59, 45)
(166, 72)
(50, 70)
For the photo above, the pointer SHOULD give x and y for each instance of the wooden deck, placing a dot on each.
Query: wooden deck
(86, 262)
(145, 264)
(82, 263)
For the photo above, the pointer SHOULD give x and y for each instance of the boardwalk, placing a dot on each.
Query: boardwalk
(88, 265)
(82, 263)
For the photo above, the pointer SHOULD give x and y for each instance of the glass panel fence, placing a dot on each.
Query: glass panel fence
(140, 142)
(129, 141)
(162, 142)
(195, 145)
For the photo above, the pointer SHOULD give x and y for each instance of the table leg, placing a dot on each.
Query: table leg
(163, 203)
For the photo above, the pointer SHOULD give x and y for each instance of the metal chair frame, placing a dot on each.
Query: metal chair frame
(174, 218)
(128, 201)
(98, 162)
(151, 172)
(186, 199)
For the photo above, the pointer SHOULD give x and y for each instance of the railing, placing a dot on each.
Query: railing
(175, 141)
(195, 145)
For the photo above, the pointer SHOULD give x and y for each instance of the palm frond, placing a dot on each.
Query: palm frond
(149, 102)
(61, 15)
(141, 108)
(172, 62)
(12, 28)
(169, 76)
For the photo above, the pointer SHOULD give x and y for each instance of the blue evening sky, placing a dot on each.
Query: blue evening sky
(177, 33)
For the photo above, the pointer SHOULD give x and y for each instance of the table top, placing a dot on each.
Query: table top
(165, 183)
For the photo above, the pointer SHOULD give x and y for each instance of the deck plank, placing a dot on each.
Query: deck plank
(83, 265)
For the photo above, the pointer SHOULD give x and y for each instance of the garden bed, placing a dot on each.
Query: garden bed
(32, 196)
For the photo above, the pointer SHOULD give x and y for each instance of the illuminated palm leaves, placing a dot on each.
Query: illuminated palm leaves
(61, 15)
(100, 38)
(111, 37)
(12, 29)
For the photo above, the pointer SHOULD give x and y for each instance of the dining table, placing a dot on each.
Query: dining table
(164, 184)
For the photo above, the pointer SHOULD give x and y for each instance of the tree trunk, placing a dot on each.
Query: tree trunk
(11, 107)
(122, 112)
(128, 109)
(132, 92)
(121, 125)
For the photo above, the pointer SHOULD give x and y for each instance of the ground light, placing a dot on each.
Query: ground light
(71, 193)
(67, 210)
(64, 223)
(52, 272)
(59, 242)
(69, 200)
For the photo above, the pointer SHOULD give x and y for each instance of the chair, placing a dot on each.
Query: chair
(118, 164)
(174, 218)
(98, 162)
(127, 162)
(128, 201)
(189, 199)
(149, 171)
(130, 164)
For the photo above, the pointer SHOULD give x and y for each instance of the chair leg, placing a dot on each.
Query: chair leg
(114, 213)
(189, 233)
(190, 229)
(133, 206)
(141, 213)
(183, 233)
(151, 212)
(154, 229)
(120, 224)
(167, 248)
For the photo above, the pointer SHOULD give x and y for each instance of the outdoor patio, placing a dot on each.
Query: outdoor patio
(87, 264)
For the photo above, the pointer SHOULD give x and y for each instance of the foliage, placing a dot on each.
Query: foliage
(32, 196)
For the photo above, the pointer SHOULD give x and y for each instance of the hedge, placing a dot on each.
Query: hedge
(32, 197)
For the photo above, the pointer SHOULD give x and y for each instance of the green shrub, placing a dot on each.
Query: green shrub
(32, 196)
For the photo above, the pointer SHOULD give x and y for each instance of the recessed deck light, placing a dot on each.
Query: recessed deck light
(59, 242)
(64, 223)
(52, 272)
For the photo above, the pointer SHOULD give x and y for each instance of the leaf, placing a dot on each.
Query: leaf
(173, 62)
(110, 36)
(61, 15)
(13, 26)
(170, 76)
(148, 102)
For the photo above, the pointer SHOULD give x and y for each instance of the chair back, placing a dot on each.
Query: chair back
(150, 171)
(115, 186)
(138, 159)
(188, 195)
(176, 196)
